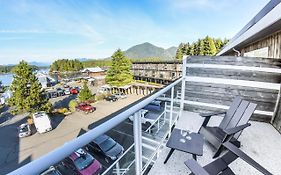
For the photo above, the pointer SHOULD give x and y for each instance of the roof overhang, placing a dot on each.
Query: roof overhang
(268, 24)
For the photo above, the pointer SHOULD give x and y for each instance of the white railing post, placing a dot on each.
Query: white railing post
(171, 110)
(183, 86)
(117, 168)
(138, 142)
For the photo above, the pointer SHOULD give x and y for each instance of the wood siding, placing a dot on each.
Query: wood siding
(215, 81)
(273, 42)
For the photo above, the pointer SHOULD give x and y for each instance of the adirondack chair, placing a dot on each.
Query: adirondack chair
(238, 114)
(220, 165)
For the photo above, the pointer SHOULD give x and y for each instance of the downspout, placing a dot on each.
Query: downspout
(237, 51)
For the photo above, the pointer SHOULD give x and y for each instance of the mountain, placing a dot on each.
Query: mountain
(39, 64)
(148, 50)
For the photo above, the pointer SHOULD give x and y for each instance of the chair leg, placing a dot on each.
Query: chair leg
(169, 155)
(218, 152)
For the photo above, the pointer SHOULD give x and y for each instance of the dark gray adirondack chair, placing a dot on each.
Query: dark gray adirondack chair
(220, 165)
(238, 114)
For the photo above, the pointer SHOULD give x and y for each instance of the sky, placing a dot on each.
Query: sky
(46, 30)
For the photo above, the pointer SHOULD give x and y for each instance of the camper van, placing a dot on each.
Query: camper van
(42, 122)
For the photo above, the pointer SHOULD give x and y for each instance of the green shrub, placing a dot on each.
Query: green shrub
(72, 105)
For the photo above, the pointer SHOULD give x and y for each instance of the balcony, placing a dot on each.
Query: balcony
(144, 145)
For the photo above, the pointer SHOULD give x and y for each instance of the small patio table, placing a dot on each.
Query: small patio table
(184, 141)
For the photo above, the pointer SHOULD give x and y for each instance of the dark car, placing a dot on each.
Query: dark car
(86, 107)
(106, 146)
(82, 163)
(153, 106)
(60, 92)
(111, 98)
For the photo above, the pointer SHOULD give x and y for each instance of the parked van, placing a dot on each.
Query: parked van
(42, 122)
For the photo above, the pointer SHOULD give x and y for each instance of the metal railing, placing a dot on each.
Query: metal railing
(55, 156)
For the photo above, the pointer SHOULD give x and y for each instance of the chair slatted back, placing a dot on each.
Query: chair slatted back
(239, 113)
(246, 117)
(230, 112)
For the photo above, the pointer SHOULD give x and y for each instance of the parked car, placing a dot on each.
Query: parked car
(83, 163)
(66, 86)
(42, 122)
(24, 130)
(120, 95)
(155, 105)
(60, 92)
(146, 117)
(51, 171)
(73, 91)
(106, 146)
(67, 92)
(111, 98)
(86, 107)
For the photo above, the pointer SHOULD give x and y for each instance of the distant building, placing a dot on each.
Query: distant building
(45, 80)
(157, 72)
(93, 72)
(261, 37)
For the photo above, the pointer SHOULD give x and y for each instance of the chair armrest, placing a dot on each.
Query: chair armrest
(208, 116)
(212, 113)
(236, 129)
(195, 168)
(245, 157)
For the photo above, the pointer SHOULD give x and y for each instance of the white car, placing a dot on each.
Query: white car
(146, 117)
(24, 130)
(66, 92)
(120, 95)
(42, 122)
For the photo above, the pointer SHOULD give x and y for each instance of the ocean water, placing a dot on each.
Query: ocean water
(6, 79)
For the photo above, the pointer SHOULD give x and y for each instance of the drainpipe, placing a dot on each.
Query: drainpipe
(237, 51)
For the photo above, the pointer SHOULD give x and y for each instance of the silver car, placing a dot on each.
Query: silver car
(24, 130)
(120, 95)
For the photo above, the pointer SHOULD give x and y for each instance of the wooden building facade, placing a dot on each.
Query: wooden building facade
(157, 72)
(211, 83)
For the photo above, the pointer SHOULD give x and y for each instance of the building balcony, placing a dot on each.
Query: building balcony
(144, 142)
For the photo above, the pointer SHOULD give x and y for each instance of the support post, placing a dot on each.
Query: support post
(118, 168)
(171, 110)
(138, 143)
(183, 86)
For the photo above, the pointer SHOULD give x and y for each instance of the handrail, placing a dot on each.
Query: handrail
(55, 156)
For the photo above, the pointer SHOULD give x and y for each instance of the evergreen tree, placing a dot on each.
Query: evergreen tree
(179, 54)
(27, 91)
(209, 47)
(119, 74)
(218, 44)
(187, 49)
(192, 49)
(85, 93)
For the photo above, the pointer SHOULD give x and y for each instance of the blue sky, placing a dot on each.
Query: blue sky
(45, 30)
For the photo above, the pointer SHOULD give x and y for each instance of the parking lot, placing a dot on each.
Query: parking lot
(16, 152)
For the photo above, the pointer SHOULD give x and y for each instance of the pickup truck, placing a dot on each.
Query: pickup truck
(87, 108)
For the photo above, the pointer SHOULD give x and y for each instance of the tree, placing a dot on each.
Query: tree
(65, 65)
(179, 54)
(85, 93)
(209, 47)
(27, 93)
(119, 73)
